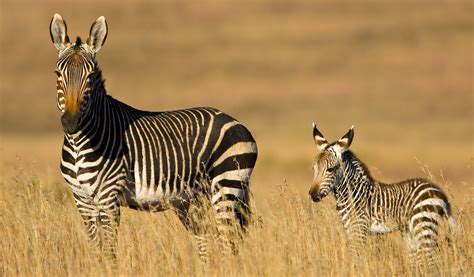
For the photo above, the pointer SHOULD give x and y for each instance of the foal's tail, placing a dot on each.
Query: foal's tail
(453, 225)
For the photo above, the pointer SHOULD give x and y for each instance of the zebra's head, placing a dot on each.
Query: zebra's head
(75, 69)
(327, 165)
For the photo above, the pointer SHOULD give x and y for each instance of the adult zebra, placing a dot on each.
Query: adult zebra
(367, 206)
(114, 155)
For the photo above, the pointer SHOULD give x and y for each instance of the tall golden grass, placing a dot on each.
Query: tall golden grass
(42, 234)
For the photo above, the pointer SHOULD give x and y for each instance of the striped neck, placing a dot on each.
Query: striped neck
(355, 182)
(94, 115)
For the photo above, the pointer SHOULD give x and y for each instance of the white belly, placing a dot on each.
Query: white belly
(377, 227)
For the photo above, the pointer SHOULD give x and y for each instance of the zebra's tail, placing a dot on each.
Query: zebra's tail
(453, 225)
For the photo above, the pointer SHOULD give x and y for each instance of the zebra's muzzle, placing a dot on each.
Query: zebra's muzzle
(315, 196)
(70, 122)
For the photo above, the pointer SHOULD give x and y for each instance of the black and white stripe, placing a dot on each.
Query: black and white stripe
(367, 206)
(116, 155)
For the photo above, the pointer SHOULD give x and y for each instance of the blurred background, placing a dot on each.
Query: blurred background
(400, 71)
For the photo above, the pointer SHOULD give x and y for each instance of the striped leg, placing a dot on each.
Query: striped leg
(423, 238)
(191, 211)
(89, 214)
(230, 199)
(422, 253)
(357, 230)
(101, 224)
(109, 221)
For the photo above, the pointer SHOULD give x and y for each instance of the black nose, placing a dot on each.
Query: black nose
(69, 122)
(315, 195)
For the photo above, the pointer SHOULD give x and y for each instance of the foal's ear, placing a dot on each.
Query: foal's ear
(97, 34)
(344, 143)
(58, 32)
(319, 140)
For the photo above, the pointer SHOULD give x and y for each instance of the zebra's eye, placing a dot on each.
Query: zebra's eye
(58, 73)
(331, 169)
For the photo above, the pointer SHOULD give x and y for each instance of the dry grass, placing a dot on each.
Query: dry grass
(292, 237)
(401, 71)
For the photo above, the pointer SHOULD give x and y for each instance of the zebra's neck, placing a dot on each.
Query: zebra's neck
(96, 125)
(356, 182)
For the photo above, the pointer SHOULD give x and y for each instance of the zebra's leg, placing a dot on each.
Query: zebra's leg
(412, 247)
(191, 212)
(357, 231)
(423, 254)
(89, 213)
(109, 220)
(229, 174)
(423, 237)
(230, 200)
(101, 221)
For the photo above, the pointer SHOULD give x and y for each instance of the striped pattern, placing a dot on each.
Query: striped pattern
(367, 206)
(114, 155)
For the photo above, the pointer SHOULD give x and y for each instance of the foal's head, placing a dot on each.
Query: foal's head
(327, 165)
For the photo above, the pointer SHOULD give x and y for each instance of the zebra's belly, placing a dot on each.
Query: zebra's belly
(156, 205)
(139, 198)
(379, 227)
(151, 197)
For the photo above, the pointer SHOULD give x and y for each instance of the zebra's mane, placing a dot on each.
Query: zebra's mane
(349, 157)
(99, 82)
(78, 42)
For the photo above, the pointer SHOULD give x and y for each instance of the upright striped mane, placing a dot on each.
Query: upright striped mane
(349, 157)
(78, 43)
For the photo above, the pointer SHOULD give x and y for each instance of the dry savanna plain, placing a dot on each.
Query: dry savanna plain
(400, 71)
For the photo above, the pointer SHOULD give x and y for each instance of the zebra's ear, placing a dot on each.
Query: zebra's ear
(58, 32)
(319, 139)
(97, 34)
(344, 143)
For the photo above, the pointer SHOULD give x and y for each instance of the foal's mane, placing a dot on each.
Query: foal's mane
(349, 156)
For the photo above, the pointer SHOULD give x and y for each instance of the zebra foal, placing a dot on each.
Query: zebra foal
(114, 155)
(367, 206)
